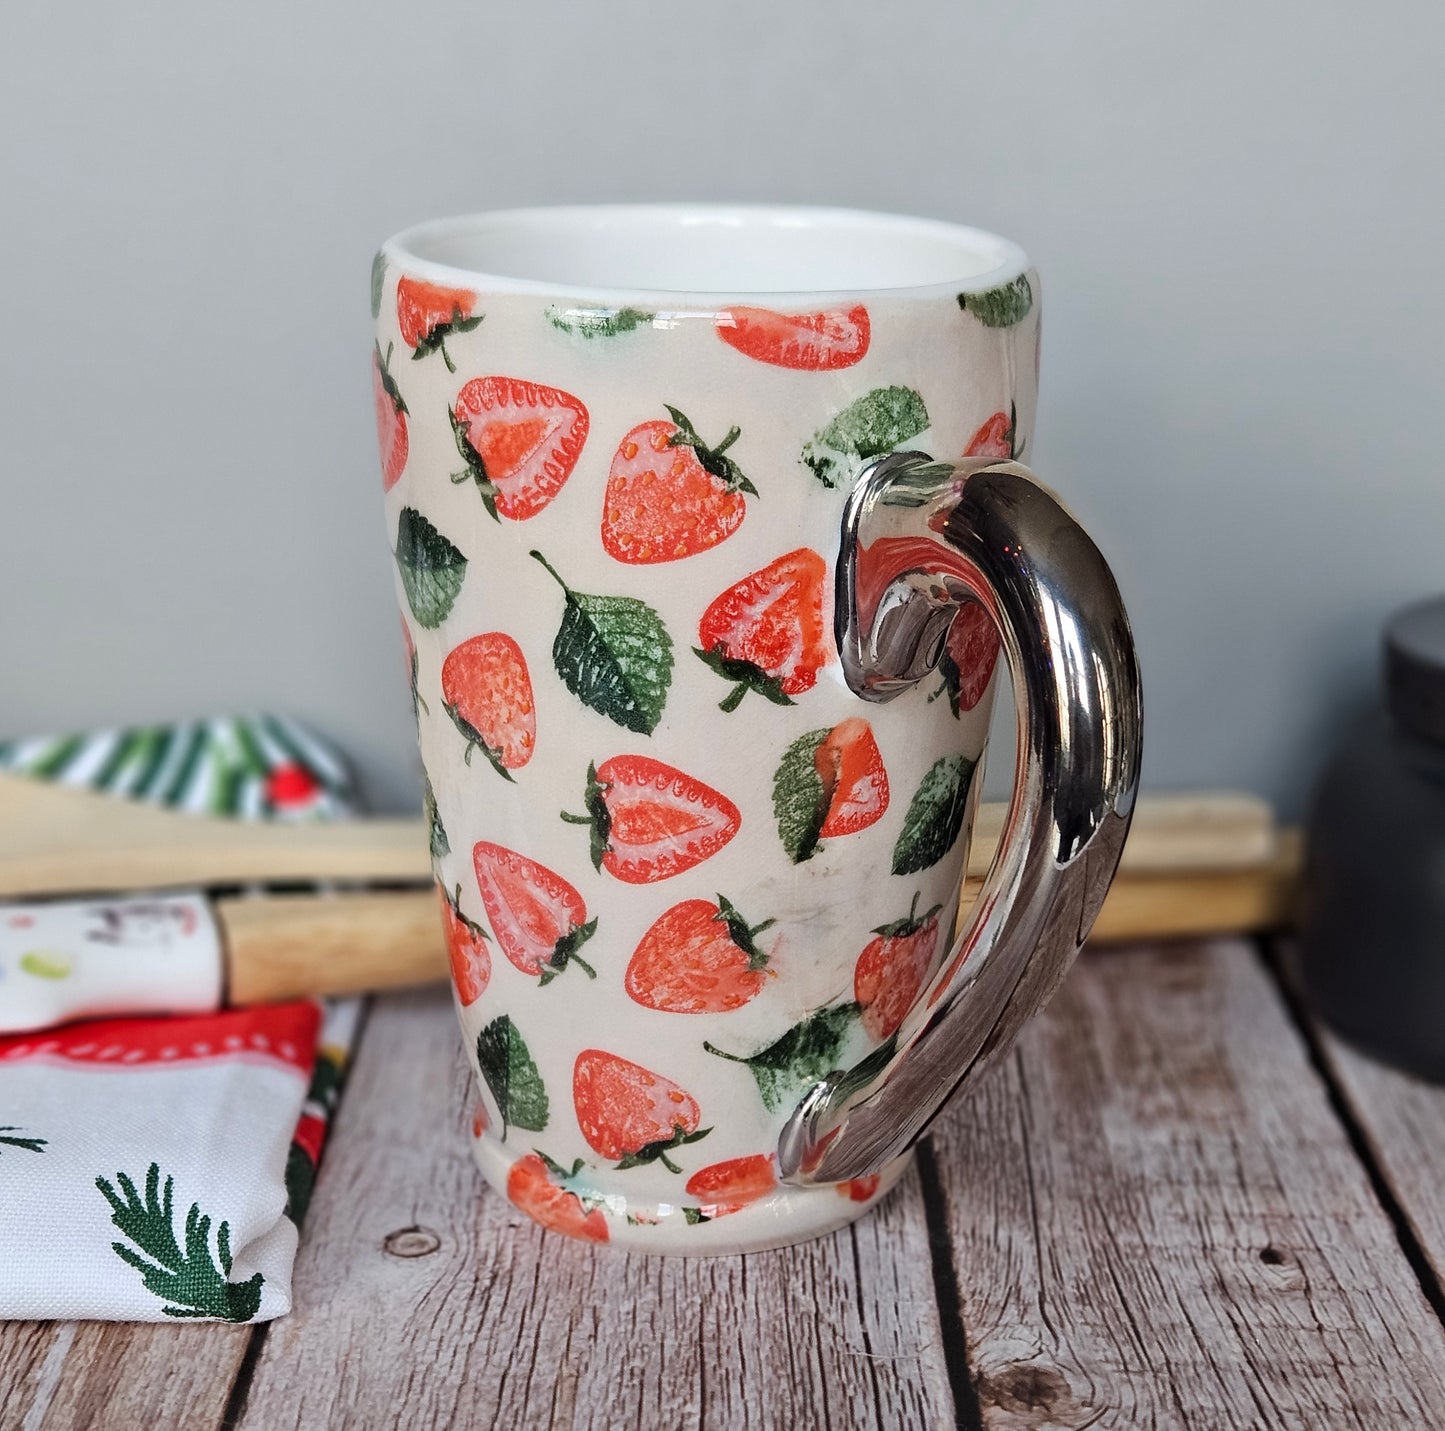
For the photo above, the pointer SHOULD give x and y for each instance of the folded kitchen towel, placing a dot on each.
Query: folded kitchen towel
(158, 1168)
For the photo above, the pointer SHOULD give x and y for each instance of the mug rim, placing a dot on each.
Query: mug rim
(435, 250)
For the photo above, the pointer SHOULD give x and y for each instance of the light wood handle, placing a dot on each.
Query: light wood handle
(294, 946)
(300, 945)
(60, 841)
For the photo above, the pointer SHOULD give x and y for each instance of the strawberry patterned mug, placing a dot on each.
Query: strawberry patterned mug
(709, 532)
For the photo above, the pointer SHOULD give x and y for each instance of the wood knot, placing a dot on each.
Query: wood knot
(1024, 1388)
(411, 1242)
(1272, 1257)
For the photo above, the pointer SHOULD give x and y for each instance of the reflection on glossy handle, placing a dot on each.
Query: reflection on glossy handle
(1008, 543)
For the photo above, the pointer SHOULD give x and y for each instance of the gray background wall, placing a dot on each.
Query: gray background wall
(1236, 208)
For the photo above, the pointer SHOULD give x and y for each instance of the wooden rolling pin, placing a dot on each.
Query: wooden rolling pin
(1194, 864)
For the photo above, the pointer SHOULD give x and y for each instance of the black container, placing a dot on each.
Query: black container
(1372, 942)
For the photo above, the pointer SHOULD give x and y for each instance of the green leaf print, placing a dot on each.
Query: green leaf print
(1000, 307)
(875, 423)
(434, 340)
(378, 282)
(800, 799)
(935, 815)
(13, 1137)
(432, 569)
(614, 654)
(512, 1077)
(436, 831)
(192, 1282)
(597, 322)
(744, 676)
(805, 1054)
(46, 964)
(473, 469)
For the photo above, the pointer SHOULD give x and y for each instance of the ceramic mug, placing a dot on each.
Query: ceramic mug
(708, 531)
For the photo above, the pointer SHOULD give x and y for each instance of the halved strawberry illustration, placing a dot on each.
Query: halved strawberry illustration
(487, 691)
(815, 342)
(670, 495)
(698, 958)
(765, 632)
(722, 1188)
(628, 1113)
(850, 766)
(471, 960)
(533, 1186)
(891, 969)
(519, 441)
(828, 783)
(539, 919)
(391, 435)
(429, 314)
(969, 655)
(995, 438)
(651, 821)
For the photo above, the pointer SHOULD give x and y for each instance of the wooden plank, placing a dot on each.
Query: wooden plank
(417, 1288)
(1402, 1119)
(1158, 1220)
(59, 1375)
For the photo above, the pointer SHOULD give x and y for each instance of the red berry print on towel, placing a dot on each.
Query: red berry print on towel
(428, 315)
(533, 1185)
(995, 438)
(471, 960)
(722, 1188)
(539, 920)
(891, 969)
(391, 434)
(629, 1114)
(828, 783)
(669, 495)
(813, 342)
(291, 787)
(519, 442)
(487, 692)
(698, 958)
(650, 821)
(765, 632)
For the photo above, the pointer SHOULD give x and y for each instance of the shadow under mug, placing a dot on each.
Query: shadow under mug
(709, 530)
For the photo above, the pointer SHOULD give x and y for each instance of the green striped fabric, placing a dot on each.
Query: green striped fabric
(250, 767)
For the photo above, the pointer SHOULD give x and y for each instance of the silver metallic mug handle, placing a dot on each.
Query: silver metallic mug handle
(1008, 543)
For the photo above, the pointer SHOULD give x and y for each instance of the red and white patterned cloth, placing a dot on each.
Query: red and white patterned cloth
(157, 1168)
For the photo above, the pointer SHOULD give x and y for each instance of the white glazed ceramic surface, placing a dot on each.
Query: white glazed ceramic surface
(593, 1088)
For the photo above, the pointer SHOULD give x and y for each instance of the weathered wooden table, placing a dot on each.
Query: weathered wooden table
(1174, 1205)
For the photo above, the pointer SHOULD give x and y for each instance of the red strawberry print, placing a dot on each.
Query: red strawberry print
(651, 821)
(429, 314)
(309, 1136)
(487, 691)
(291, 787)
(698, 958)
(891, 970)
(532, 1186)
(995, 438)
(471, 960)
(670, 495)
(480, 1119)
(765, 632)
(519, 441)
(391, 436)
(539, 919)
(859, 1189)
(630, 1114)
(850, 766)
(969, 656)
(722, 1188)
(815, 342)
